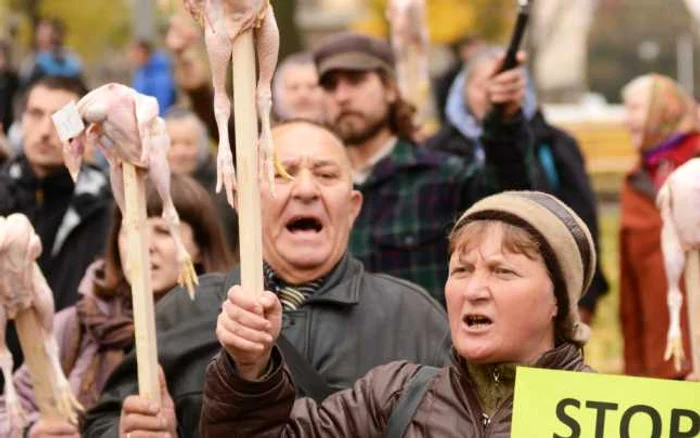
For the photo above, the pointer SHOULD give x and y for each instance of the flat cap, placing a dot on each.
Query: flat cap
(353, 51)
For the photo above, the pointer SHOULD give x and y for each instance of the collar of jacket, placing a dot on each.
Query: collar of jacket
(566, 357)
(406, 155)
(342, 285)
(90, 193)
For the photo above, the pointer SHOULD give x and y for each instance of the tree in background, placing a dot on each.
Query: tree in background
(92, 26)
(450, 20)
(626, 42)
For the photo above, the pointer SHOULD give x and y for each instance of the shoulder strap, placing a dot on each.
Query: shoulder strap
(407, 405)
(305, 376)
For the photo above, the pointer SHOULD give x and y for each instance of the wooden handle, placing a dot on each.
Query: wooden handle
(247, 161)
(31, 338)
(138, 267)
(692, 288)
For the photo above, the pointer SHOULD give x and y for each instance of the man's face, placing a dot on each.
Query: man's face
(307, 224)
(44, 35)
(357, 104)
(42, 146)
(476, 89)
(301, 95)
(185, 136)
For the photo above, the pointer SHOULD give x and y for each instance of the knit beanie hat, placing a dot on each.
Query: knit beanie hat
(558, 229)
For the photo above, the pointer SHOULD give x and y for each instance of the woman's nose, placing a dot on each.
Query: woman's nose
(477, 287)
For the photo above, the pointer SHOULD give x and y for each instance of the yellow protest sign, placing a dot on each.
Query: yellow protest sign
(560, 404)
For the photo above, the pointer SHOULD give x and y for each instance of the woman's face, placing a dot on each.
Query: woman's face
(501, 305)
(184, 145)
(163, 253)
(636, 110)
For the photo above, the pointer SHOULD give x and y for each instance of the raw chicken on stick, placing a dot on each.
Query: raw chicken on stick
(224, 22)
(679, 201)
(411, 45)
(234, 29)
(26, 297)
(125, 126)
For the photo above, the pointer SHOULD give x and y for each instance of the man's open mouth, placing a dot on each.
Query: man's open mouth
(304, 223)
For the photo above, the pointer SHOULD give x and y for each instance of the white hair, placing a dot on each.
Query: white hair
(203, 149)
(635, 86)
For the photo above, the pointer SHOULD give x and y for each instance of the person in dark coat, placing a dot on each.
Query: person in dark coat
(411, 194)
(9, 86)
(71, 219)
(559, 165)
(339, 320)
(519, 263)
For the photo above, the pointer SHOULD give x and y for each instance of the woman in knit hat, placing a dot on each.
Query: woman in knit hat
(519, 262)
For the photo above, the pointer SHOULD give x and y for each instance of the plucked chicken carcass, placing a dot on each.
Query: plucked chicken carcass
(411, 45)
(125, 126)
(224, 21)
(679, 201)
(23, 287)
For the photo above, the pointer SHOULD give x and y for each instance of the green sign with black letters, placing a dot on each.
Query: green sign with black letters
(562, 404)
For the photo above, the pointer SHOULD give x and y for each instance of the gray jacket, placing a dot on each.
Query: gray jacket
(355, 322)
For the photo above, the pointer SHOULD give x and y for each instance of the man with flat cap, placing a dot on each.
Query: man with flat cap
(412, 195)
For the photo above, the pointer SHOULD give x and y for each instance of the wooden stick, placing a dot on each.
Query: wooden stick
(692, 288)
(138, 266)
(29, 330)
(247, 163)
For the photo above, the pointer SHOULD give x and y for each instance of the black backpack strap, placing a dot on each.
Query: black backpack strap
(305, 376)
(407, 405)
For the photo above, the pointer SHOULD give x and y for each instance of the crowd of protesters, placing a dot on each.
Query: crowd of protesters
(389, 263)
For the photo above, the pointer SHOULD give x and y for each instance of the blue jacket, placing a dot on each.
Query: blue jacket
(155, 79)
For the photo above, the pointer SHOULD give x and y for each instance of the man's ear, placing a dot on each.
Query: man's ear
(356, 200)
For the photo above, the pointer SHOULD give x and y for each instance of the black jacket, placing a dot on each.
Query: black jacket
(71, 220)
(205, 174)
(573, 186)
(355, 322)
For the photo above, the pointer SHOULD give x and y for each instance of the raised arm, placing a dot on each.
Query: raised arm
(248, 390)
(266, 408)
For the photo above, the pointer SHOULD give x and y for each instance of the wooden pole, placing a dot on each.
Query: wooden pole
(692, 287)
(29, 331)
(138, 265)
(247, 163)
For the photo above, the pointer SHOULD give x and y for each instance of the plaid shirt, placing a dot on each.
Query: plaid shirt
(414, 195)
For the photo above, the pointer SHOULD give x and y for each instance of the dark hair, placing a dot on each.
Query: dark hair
(60, 83)
(145, 45)
(401, 112)
(196, 208)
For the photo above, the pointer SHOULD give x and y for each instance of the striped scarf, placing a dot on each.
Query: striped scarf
(292, 297)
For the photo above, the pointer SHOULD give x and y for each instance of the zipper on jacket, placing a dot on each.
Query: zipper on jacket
(39, 197)
(485, 419)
